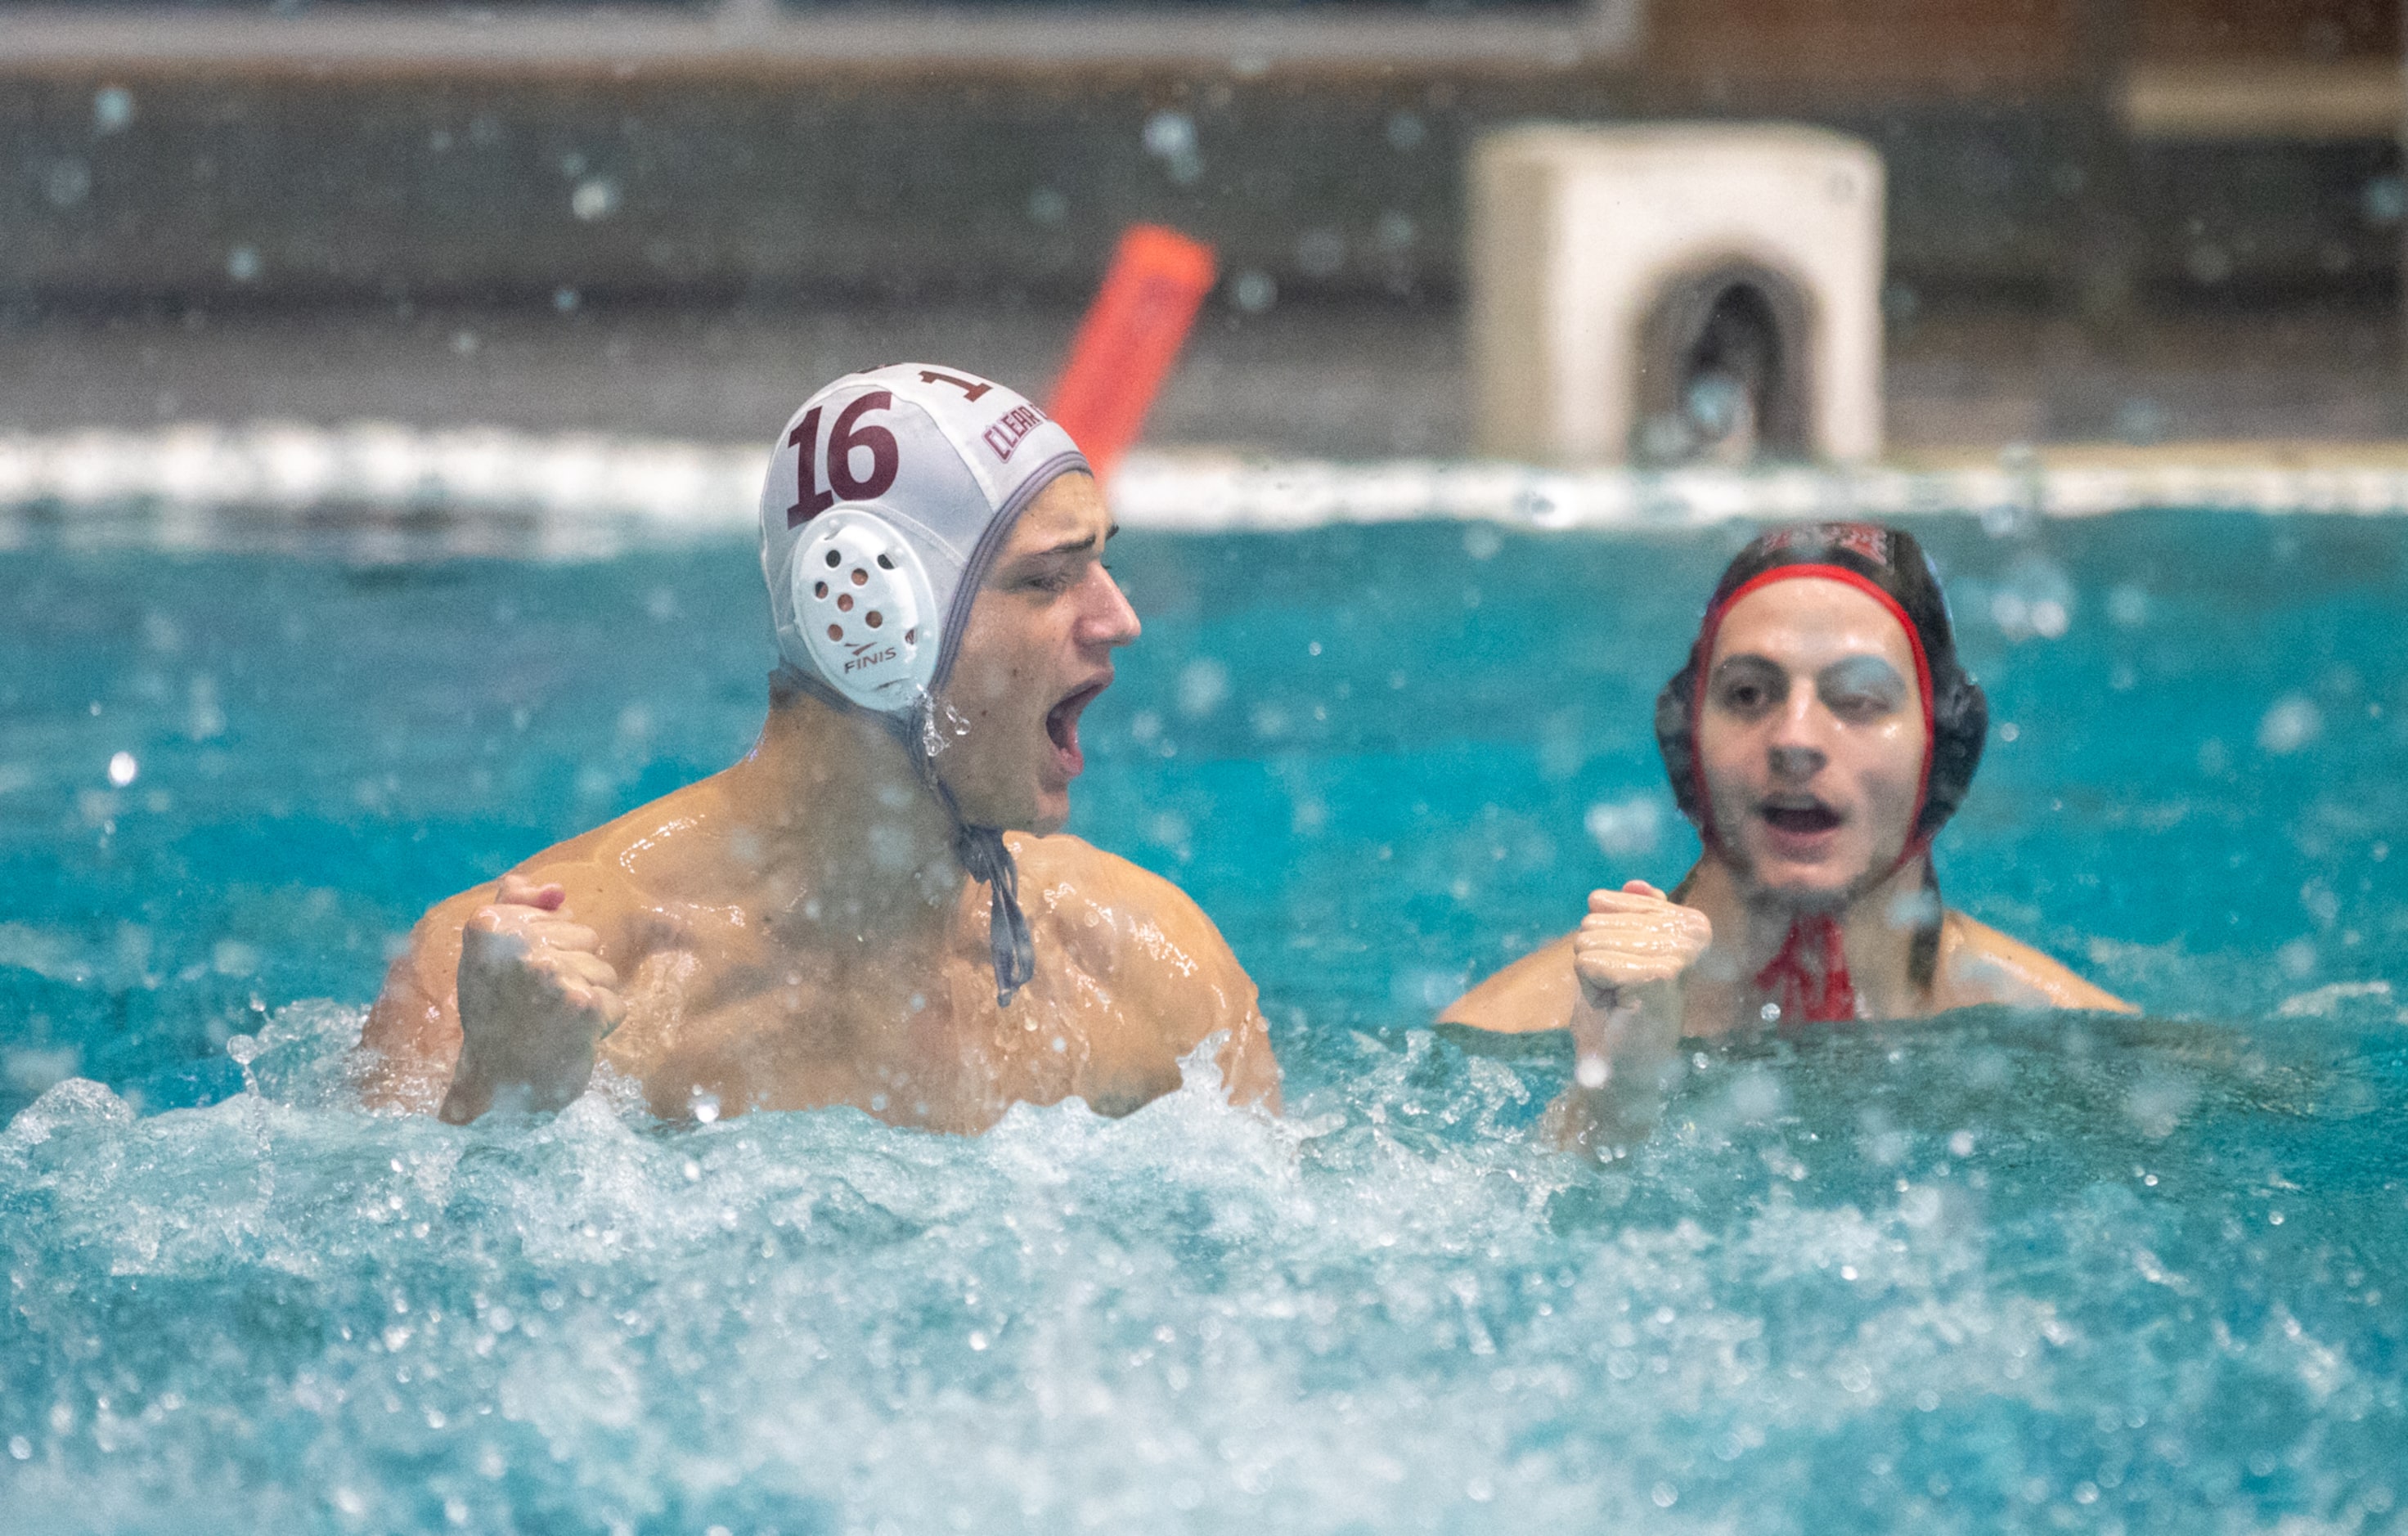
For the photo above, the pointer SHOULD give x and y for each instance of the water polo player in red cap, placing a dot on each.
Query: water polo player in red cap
(1820, 735)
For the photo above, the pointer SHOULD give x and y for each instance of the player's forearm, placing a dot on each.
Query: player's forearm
(406, 1045)
(1625, 1054)
(523, 1046)
(526, 1081)
(1249, 1067)
(521, 1049)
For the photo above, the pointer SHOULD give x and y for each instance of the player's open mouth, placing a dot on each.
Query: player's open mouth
(1062, 725)
(1801, 819)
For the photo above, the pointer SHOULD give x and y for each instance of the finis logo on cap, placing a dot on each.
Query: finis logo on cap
(1010, 428)
(864, 659)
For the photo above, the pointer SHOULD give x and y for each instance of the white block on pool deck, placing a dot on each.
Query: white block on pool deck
(1617, 273)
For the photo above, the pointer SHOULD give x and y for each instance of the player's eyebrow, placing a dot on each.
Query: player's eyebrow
(1750, 662)
(1071, 546)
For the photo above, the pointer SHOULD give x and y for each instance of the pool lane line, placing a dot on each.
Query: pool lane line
(195, 483)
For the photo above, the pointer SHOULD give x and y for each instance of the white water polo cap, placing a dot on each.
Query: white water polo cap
(888, 496)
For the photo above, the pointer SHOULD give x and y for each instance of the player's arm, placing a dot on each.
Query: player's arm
(412, 1037)
(1627, 960)
(501, 1000)
(1984, 965)
(1536, 992)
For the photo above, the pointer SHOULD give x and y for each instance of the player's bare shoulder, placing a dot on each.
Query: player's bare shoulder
(1142, 940)
(1978, 964)
(1536, 992)
(676, 845)
(604, 874)
(1119, 922)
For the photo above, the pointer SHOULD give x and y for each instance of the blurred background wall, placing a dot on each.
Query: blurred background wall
(2081, 152)
(2144, 219)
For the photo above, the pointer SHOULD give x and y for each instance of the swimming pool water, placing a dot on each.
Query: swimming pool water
(1982, 1273)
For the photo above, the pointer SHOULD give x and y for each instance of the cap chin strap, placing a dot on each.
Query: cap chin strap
(1808, 981)
(982, 852)
(981, 848)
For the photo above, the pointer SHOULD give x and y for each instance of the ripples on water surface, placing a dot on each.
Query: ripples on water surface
(1986, 1273)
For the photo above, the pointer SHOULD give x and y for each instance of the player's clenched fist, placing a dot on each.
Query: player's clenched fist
(535, 1001)
(1635, 936)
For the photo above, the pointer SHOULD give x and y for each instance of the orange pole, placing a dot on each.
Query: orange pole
(1130, 338)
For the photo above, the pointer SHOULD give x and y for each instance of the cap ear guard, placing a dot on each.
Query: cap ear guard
(1676, 739)
(865, 609)
(1960, 725)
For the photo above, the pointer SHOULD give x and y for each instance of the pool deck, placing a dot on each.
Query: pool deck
(1363, 382)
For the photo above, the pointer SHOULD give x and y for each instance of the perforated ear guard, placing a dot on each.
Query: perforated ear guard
(1960, 727)
(865, 608)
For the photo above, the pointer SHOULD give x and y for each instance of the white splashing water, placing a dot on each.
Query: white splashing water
(1397, 1309)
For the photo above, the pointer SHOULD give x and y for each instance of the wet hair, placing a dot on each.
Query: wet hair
(1890, 565)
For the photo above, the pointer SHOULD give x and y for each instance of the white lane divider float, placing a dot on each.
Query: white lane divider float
(487, 489)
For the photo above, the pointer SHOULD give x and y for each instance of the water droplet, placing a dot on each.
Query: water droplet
(594, 199)
(1203, 686)
(1169, 134)
(2292, 723)
(112, 109)
(1625, 829)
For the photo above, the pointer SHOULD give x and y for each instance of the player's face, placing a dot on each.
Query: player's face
(1036, 652)
(1812, 739)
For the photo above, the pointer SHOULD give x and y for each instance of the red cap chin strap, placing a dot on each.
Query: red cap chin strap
(1808, 981)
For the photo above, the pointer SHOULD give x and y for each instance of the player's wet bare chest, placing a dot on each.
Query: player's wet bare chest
(782, 1011)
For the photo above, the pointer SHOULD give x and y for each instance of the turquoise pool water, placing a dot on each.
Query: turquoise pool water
(1982, 1273)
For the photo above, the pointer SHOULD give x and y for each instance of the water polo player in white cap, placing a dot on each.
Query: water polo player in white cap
(1820, 735)
(872, 908)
